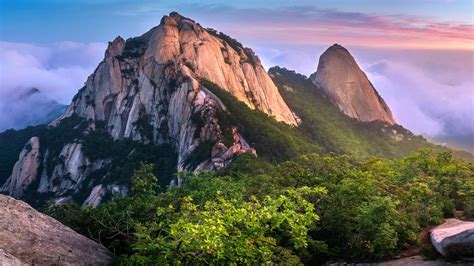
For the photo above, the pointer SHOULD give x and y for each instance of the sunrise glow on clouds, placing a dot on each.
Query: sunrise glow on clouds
(418, 54)
(307, 25)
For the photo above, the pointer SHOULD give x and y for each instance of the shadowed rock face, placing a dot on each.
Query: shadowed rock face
(348, 87)
(29, 237)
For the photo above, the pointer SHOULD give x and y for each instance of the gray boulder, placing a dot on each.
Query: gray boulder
(454, 238)
(30, 237)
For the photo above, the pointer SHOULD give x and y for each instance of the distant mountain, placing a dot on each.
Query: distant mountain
(30, 108)
(186, 98)
(334, 131)
(341, 78)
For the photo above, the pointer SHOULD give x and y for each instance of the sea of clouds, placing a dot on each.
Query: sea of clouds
(58, 70)
(430, 93)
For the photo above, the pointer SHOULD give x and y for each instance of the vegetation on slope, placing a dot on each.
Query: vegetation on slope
(331, 129)
(307, 210)
(274, 141)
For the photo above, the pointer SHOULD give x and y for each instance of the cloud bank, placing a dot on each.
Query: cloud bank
(311, 25)
(57, 70)
(441, 111)
(429, 92)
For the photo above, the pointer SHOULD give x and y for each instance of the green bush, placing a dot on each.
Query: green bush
(309, 210)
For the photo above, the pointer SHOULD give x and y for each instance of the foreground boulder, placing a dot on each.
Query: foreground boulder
(30, 237)
(454, 238)
(8, 259)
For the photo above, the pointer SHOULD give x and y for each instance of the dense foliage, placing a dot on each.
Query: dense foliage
(274, 141)
(306, 210)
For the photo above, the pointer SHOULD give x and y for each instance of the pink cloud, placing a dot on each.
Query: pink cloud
(322, 26)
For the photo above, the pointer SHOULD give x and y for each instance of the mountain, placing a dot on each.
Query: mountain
(148, 92)
(149, 88)
(186, 98)
(342, 80)
(18, 108)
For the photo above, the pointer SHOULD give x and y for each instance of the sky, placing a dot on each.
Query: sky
(419, 54)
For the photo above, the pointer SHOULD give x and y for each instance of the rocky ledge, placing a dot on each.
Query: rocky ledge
(30, 237)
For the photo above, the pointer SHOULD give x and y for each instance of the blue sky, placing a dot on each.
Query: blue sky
(419, 54)
(100, 20)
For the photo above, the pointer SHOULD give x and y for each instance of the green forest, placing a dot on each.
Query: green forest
(303, 211)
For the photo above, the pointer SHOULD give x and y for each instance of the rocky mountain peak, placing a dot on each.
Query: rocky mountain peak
(341, 78)
(30, 92)
(155, 89)
(115, 47)
(338, 47)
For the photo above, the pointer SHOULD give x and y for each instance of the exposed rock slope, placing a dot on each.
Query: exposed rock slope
(339, 76)
(25, 170)
(29, 237)
(155, 77)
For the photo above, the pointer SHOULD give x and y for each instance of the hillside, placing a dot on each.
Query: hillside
(332, 131)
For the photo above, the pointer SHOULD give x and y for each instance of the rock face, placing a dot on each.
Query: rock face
(454, 238)
(25, 170)
(29, 237)
(9, 260)
(339, 76)
(150, 89)
(155, 78)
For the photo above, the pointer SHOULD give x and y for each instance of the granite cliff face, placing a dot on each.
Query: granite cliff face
(342, 80)
(156, 78)
(150, 89)
(25, 170)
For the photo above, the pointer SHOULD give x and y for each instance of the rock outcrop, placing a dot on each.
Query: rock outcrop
(25, 170)
(155, 78)
(454, 238)
(29, 237)
(342, 80)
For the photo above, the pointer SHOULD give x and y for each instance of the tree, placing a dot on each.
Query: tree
(224, 231)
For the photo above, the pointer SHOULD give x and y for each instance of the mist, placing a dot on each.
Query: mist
(57, 70)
